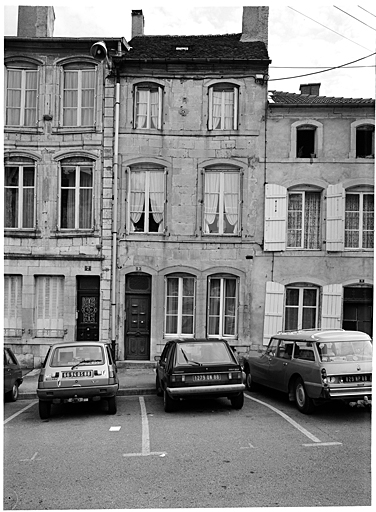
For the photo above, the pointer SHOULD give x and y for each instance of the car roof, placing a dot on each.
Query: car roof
(322, 335)
(197, 340)
(79, 343)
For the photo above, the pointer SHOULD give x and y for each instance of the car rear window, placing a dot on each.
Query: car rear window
(208, 352)
(360, 350)
(87, 354)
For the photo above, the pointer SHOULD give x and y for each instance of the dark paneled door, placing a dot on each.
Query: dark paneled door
(88, 308)
(137, 335)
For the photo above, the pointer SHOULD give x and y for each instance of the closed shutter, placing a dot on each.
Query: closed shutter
(331, 306)
(273, 318)
(335, 198)
(49, 302)
(275, 218)
(13, 302)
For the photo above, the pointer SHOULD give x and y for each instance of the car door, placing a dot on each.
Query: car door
(11, 371)
(162, 364)
(279, 365)
(260, 365)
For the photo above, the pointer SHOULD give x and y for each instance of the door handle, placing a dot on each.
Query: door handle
(285, 364)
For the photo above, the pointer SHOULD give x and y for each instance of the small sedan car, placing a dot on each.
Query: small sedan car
(12, 375)
(199, 368)
(315, 366)
(77, 372)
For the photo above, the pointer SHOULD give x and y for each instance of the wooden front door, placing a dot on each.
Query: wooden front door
(88, 308)
(137, 316)
(358, 309)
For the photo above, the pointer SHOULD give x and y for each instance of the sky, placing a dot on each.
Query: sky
(304, 37)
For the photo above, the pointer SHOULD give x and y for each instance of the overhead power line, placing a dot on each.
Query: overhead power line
(323, 71)
(351, 16)
(360, 7)
(329, 29)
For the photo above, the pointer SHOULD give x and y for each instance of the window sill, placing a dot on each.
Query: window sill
(33, 233)
(23, 129)
(75, 233)
(75, 129)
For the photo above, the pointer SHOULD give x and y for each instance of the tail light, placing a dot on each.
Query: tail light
(177, 378)
(235, 375)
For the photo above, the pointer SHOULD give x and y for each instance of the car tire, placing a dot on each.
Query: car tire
(44, 410)
(158, 387)
(250, 385)
(237, 401)
(112, 408)
(12, 395)
(303, 402)
(168, 402)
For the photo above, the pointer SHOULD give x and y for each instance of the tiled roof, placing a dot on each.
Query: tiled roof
(224, 47)
(289, 98)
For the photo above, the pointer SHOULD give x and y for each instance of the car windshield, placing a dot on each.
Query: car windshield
(80, 354)
(202, 353)
(345, 350)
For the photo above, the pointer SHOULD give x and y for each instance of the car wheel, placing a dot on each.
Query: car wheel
(168, 402)
(158, 387)
(303, 402)
(250, 385)
(112, 405)
(237, 402)
(12, 395)
(44, 410)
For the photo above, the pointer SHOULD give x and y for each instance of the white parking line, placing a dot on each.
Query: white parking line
(304, 431)
(19, 412)
(145, 446)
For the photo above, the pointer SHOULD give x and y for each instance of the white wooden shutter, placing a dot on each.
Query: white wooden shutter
(49, 303)
(13, 302)
(335, 201)
(273, 310)
(275, 218)
(331, 306)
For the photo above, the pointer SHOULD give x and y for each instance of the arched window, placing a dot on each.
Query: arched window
(21, 83)
(223, 107)
(222, 321)
(180, 305)
(19, 184)
(362, 139)
(147, 106)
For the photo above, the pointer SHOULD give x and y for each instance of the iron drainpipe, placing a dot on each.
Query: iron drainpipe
(114, 216)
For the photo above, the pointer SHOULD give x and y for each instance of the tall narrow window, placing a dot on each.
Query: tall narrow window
(76, 201)
(306, 141)
(223, 107)
(301, 308)
(13, 302)
(21, 97)
(19, 203)
(303, 220)
(148, 106)
(359, 221)
(146, 201)
(365, 141)
(180, 306)
(222, 307)
(78, 96)
(49, 306)
(221, 202)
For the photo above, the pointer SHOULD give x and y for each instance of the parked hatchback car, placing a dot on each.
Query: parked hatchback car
(315, 366)
(12, 375)
(199, 368)
(77, 372)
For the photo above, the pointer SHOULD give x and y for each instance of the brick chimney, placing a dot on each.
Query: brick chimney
(138, 23)
(35, 21)
(255, 24)
(313, 89)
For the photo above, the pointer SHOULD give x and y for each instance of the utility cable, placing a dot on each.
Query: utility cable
(360, 7)
(351, 16)
(329, 29)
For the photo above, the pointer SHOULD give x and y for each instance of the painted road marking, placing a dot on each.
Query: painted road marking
(247, 447)
(145, 446)
(322, 444)
(32, 458)
(19, 412)
(115, 429)
(293, 423)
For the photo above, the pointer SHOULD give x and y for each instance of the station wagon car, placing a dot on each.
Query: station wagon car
(12, 375)
(77, 372)
(199, 368)
(315, 366)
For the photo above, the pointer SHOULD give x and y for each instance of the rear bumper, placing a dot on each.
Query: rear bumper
(220, 390)
(348, 393)
(78, 392)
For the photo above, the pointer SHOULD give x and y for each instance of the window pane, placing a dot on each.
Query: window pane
(312, 220)
(11, 208)
(172, 286)
(368, 221)
(291, 318)
(11, 176)
(86, 205)
(171, 324)
(187, 325)
(28, 208)
(309, 318)
(188, 286)
(141, 108)
(68, 177)
(68, 208)
(309, 297)
(86, 176)
(295, 220)
(292, 296)
(28, 176)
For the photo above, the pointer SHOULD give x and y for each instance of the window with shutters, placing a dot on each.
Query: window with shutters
(301, 307)
(359, 219)
(19, 191)
(78, 96)
(12, 305)
(223, 107)
(180, 305)
(303, 219)
(21, 98)
(76, 193)
(146, 199)
(221, 202)
(49, 306)
(148, 106)
(222, 307)
(306, 139)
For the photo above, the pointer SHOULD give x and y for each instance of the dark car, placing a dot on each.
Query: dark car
(315, 366)
(12, 375)
(77, 372)
(199, 368)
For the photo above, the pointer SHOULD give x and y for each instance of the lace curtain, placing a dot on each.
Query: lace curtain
(359, 206)
(231, 198)
(21, 83)
(212, 182)
(304, 213)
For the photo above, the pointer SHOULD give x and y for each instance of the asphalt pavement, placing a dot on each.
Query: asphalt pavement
(132, 381)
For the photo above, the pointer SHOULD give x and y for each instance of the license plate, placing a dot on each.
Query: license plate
(75, 400)
(206, 377)
(78, 373)
(357, 378)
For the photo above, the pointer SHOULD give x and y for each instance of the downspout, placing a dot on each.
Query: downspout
(114, 216)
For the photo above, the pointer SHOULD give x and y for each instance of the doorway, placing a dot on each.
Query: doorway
(88, 308)
(137, 316)
(358, 309)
